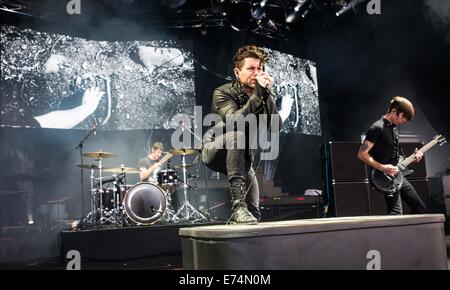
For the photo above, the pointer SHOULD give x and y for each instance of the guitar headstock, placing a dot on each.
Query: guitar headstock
(439, 139)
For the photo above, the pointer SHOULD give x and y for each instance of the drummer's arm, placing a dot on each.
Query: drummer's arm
(144, 173)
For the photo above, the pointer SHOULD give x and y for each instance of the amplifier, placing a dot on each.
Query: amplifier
(350, 199)
(290, 207)
(342, 163)
(446, 187)
(290, 200)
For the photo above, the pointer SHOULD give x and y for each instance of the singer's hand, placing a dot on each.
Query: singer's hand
(265, 80)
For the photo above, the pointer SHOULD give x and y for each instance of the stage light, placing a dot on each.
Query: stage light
(173, 4)
(291, 17)
(30, 219)
(239, 15)
(349, 6)
(259, 12)
(263, 3)
(267, 24)
(306, 12)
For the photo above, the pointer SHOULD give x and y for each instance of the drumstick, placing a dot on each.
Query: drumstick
(165, 158)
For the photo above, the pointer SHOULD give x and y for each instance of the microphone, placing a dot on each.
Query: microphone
(269, 90)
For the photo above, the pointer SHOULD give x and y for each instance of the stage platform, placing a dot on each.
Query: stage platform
(137, 247)
(366, 242)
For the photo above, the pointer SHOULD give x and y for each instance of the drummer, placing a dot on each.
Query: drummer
(149, 166)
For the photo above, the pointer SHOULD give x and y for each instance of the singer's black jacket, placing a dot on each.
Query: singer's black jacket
(230, 100)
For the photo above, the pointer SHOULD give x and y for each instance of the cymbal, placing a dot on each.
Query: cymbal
(99, 154)
(182, 151)
(90, 166)
(181, 166)
(118, 170)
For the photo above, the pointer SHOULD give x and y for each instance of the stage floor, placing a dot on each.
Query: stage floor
(136, 247)
(30, 249)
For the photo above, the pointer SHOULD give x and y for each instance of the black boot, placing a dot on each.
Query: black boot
(240, 213)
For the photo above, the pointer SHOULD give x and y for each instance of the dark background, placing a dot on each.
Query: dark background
(362, 62)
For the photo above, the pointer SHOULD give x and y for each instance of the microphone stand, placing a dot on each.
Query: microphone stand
(80, 148)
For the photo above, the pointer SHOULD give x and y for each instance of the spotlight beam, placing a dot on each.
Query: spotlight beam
(291, 17)
(349, 6)
(259, 12)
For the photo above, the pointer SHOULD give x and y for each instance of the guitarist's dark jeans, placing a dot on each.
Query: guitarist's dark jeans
(411, 198)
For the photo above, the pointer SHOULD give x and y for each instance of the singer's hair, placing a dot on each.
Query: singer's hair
(402, 105)
(158, 145)
(250, 51)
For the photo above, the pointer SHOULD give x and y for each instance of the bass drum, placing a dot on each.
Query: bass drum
(144, 203)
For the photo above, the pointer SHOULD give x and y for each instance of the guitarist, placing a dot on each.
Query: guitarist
(149, 166)
(380, 150)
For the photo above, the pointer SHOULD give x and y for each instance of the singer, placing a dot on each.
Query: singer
(249, 94)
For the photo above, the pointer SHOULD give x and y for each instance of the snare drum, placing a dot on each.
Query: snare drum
(144, 203)
(168, 179)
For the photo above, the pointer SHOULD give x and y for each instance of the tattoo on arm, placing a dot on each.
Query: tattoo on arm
(364, 147)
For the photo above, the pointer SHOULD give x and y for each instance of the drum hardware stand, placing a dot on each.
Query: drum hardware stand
(112, 215)
(102, 219)
(170, 215)
(93, 199)
(101, 214)
(189, 211)
(80, 148)
(121, 180)
(186, 204)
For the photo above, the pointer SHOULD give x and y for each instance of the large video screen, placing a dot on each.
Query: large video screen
(296, 88)
(59, 81)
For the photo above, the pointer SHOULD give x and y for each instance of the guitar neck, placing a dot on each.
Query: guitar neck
(424, 149)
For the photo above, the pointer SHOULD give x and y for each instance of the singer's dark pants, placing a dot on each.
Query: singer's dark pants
(411, 198)
(235, 163)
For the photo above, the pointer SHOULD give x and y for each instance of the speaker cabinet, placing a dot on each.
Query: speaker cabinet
(446, 189)
(378, 204)
(350, 199)
(343, 163)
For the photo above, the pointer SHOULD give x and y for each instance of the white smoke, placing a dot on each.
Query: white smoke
(438, 13)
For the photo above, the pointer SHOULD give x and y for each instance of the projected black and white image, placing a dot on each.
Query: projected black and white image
(58, 81)
(297, 92)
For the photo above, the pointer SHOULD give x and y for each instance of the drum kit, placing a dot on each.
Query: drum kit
(115, 202)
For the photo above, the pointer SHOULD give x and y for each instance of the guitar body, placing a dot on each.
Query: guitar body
(385, 183)
(388, 184)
